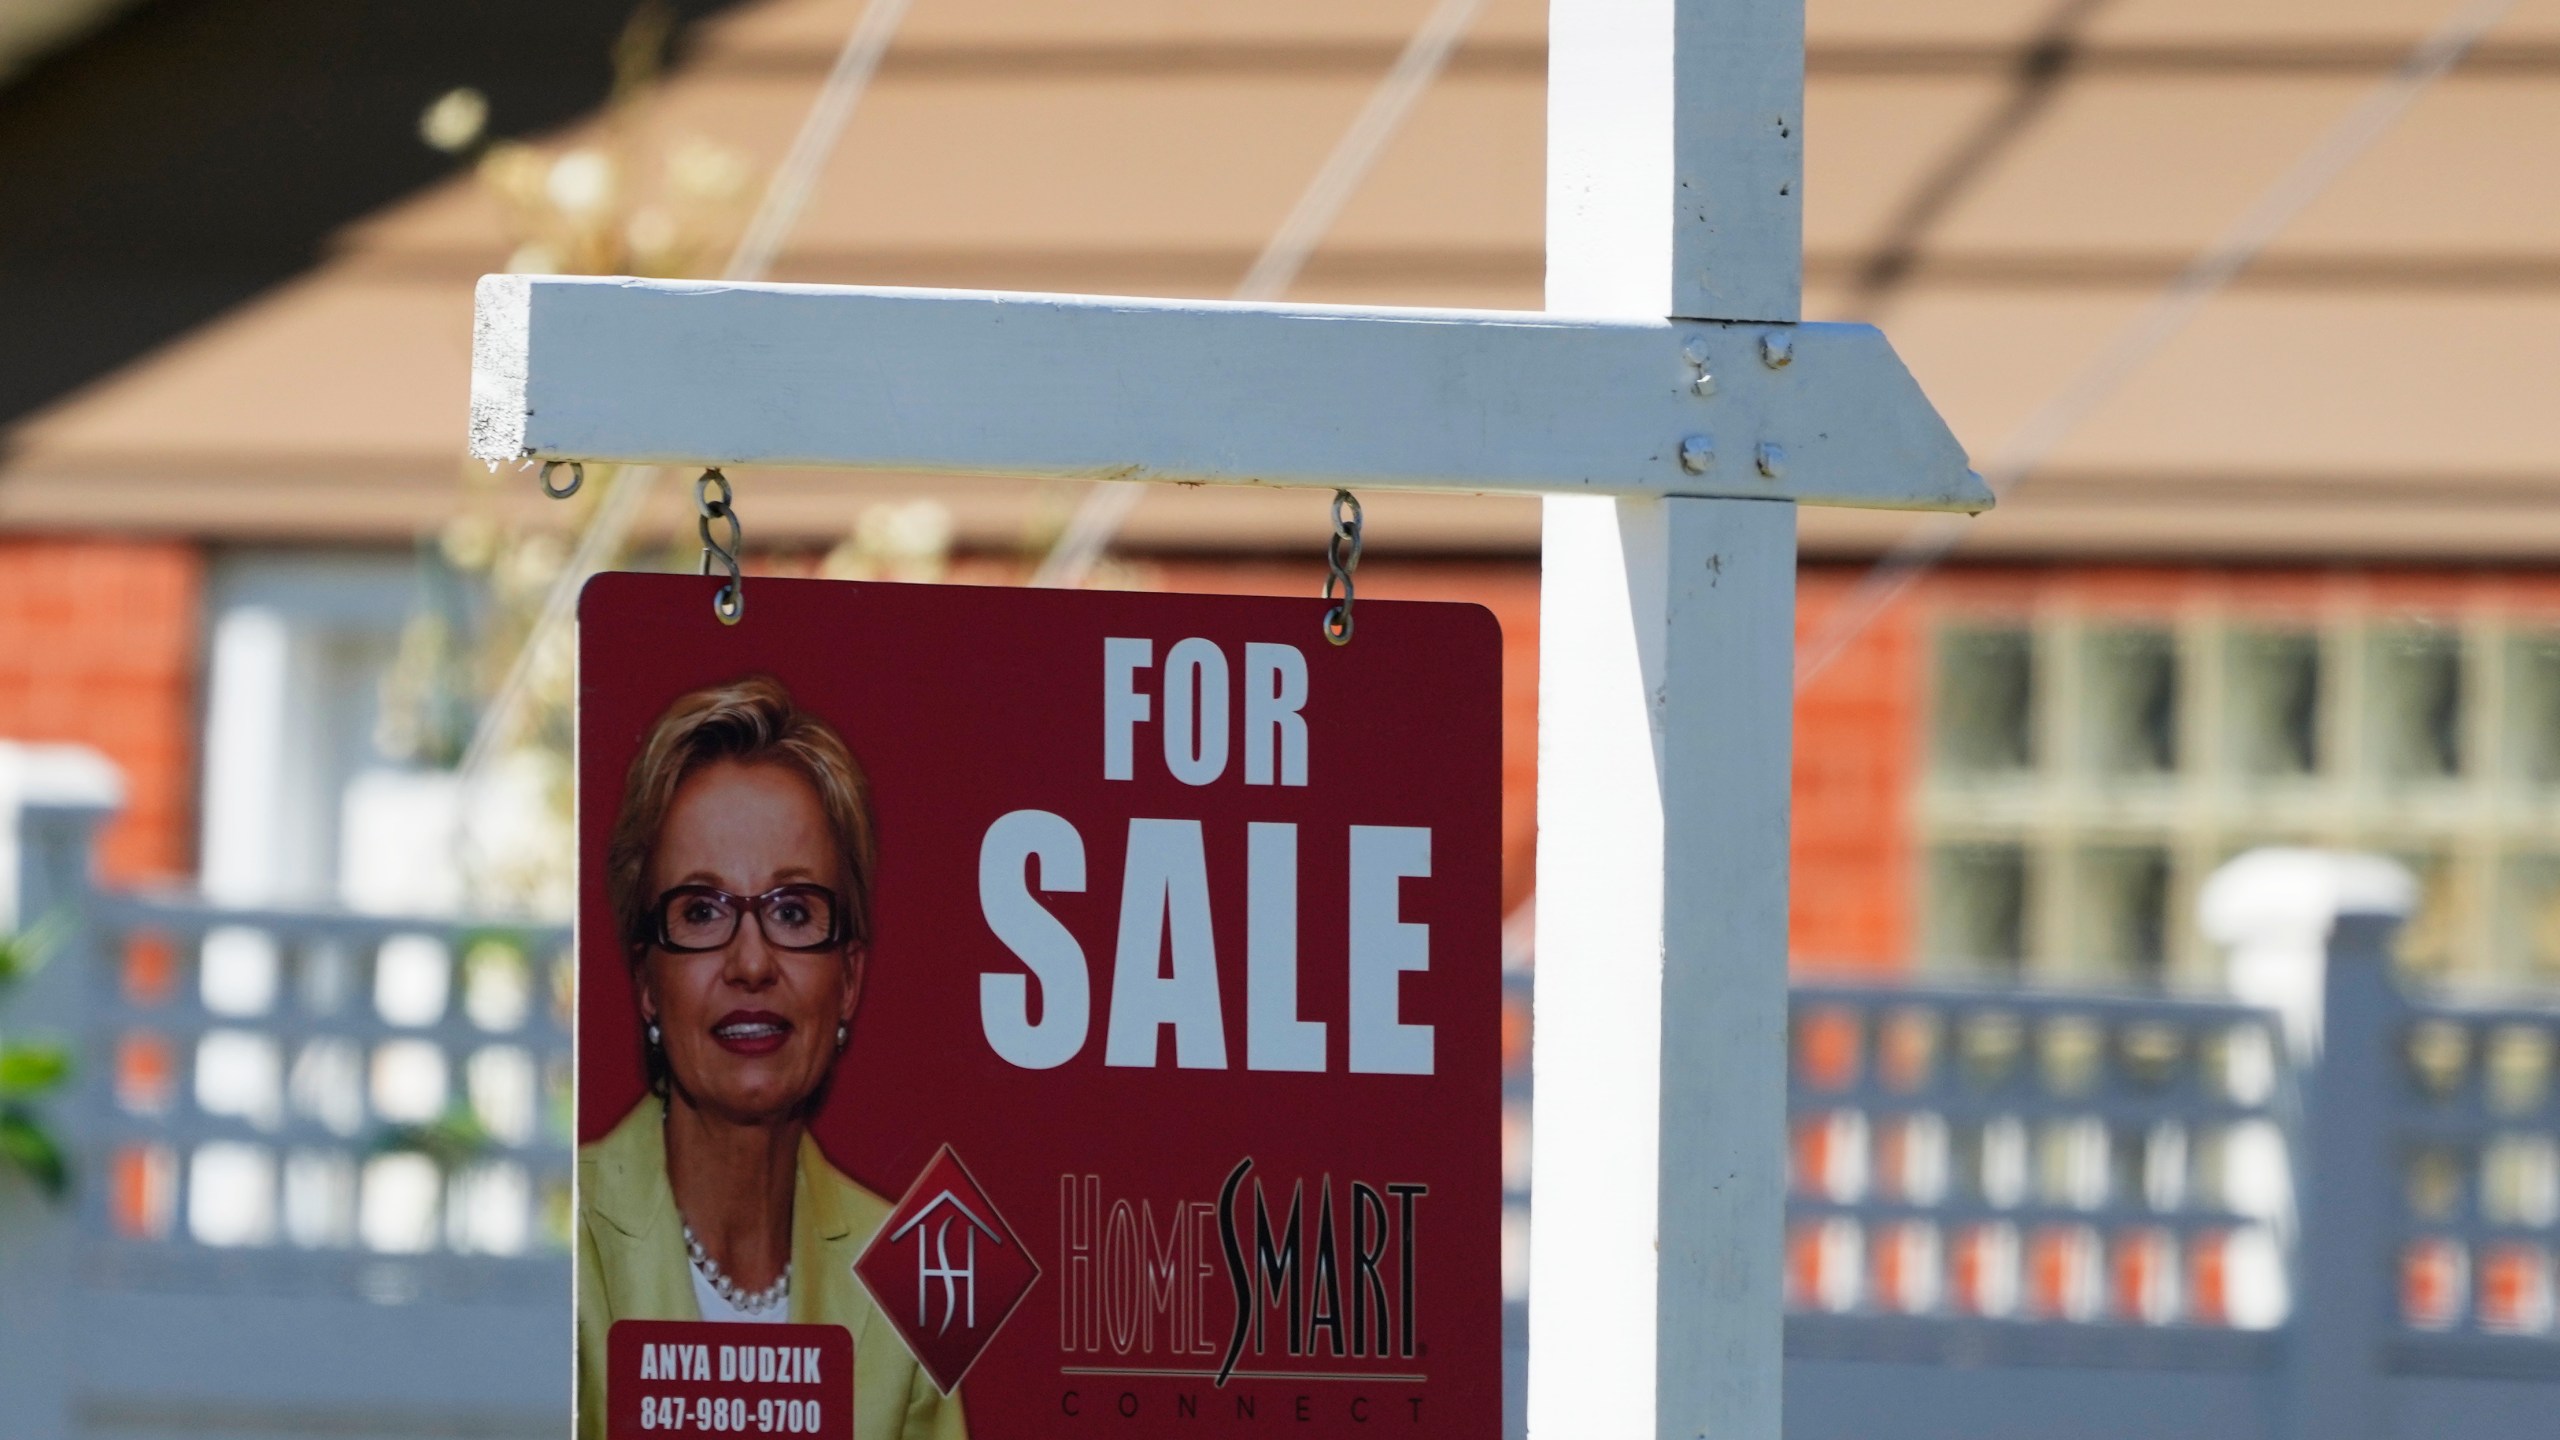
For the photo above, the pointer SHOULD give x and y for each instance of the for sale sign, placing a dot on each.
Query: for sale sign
(1079, 1008)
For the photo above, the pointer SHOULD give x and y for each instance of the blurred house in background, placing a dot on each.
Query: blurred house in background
(2292, 581)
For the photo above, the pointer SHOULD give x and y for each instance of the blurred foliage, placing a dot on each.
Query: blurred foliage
(24, 953)
(27, 1147)
(629, 195)
(27, 1071)
(894, 540)
(453, 1140)
(624, 196)
(630, 199)
(30, 1070)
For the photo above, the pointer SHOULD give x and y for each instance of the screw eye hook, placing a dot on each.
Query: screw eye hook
(577, 477)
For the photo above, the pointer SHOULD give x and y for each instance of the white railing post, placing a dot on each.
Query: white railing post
(52, 800)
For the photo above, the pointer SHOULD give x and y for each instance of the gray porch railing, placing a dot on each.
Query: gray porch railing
(2082, 1163)
(321, 1162)
(2070, 1216)
(2080, 1216)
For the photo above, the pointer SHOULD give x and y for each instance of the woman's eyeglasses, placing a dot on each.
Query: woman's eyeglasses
(695, 918)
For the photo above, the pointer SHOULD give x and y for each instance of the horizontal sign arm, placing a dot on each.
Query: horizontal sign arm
(988, 383)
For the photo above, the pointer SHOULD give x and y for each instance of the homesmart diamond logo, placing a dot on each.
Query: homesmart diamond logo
(946, 1270)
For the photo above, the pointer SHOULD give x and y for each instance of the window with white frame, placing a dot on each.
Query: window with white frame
(2088, 770)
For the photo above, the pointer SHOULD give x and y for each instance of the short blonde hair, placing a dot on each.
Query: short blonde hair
(753, 722)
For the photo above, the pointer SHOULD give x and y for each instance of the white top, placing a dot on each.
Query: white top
(715, 1306)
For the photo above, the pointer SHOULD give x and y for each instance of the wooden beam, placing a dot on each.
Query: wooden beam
(687, 373)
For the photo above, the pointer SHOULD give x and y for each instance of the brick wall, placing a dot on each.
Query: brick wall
(1858, 734)
(98, 644)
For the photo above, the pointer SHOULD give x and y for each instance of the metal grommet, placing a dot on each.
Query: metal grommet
(730, 602)
(1341, 557)
(577, 477)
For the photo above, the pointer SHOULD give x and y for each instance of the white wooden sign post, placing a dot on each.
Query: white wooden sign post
(1674, 413)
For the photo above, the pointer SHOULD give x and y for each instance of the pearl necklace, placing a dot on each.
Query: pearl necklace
(756, 1304)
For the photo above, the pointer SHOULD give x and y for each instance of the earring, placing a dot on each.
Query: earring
(654, 1039)
(841, 1034)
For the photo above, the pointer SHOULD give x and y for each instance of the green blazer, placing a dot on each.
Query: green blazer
(632, 1266)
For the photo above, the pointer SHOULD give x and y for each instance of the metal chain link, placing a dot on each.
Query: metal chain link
(577, 477)
(1341, 557)
(731, 602)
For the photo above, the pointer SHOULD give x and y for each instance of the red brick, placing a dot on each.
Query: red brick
(98, 645)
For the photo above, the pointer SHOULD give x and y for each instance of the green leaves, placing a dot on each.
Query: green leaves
(25, 952)
(25, 1145)
(27, 1071)
(452, 1140)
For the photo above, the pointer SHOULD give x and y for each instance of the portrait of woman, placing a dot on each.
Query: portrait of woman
(739, 873)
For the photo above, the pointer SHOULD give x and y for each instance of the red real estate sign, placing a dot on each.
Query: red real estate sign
(1087, 1002)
